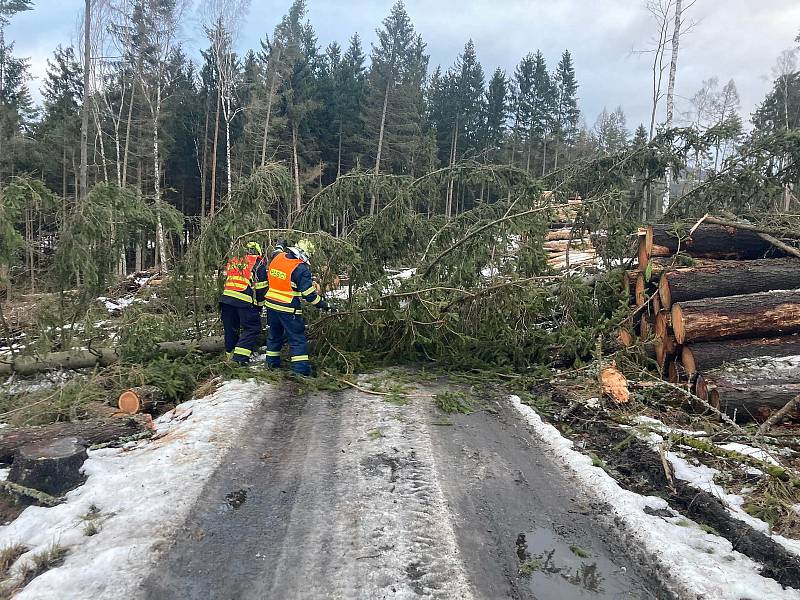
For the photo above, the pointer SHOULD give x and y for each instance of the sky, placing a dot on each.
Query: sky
(730, 39)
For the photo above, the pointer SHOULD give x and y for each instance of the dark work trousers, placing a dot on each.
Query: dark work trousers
(283, 326)
(242, 329)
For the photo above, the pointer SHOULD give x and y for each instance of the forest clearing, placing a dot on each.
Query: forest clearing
(311, 322)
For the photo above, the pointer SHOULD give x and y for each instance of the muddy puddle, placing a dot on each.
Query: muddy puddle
(558, 570)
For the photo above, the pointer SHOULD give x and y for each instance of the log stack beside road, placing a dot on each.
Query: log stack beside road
(721, 306)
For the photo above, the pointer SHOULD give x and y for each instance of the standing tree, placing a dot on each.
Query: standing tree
(567, 115)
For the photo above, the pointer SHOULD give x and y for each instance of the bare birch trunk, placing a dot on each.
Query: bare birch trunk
(373, 203)
(673, 67)
(127, 138)
(160, 241)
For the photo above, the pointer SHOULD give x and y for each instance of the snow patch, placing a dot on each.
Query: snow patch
(142, 493)
(699, 564)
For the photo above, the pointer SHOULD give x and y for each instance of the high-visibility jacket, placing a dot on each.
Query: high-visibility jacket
(245, 280)
(289, 280)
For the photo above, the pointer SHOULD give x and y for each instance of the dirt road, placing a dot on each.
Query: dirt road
(346, 495)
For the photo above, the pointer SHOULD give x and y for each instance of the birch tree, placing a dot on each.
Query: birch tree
(222, 22)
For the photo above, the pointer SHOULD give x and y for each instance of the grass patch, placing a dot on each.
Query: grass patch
(375, 434)
(91, 528)
(8, 556)
(580, 552)
(42, 562)
(529, 567)
(454, 402)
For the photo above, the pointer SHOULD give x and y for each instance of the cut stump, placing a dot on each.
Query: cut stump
(53, 467)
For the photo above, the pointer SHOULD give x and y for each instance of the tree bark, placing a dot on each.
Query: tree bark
(708, 241)
(87, 59)
(749, 315)
(296, 168)
(91, 431)
(272, 85)
(748, 392)
(214, 159)
(145, 398)
(673, 68)
(704, 356)
(83, 359)
(373, 202)
(160, 239)
(51, 466)
(728, 278)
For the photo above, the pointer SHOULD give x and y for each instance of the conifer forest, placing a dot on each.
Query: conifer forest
(488, 246)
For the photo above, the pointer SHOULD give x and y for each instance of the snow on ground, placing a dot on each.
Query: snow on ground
(699, 564)
(142, 494)
(118, 304)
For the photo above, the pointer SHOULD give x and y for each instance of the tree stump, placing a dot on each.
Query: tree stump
(145, 398)
(53, 467)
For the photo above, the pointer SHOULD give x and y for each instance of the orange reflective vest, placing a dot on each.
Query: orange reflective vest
(279, 276)
(239, 277)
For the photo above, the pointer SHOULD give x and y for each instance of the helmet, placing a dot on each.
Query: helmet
(307, 246)
(254, 248)
(298, 253)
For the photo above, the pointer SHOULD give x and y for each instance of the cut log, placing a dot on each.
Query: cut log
(655, 304)
(665, 348)
(675, 372)
(92, 431)
(564, 245)
(52, 467)
(709, 241)
(661, 324)
(614, 384)
(566, 233)
(84, 359)
(749, 389)
(749, 315)
(625, 337)
(145, 398)
(640, 290)
(645, 326)
(728, 278)
(704, 356)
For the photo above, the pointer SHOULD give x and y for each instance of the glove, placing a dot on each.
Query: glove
(331, 309)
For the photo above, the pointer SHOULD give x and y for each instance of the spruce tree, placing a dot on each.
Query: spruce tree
(496, 113)
(567, 114)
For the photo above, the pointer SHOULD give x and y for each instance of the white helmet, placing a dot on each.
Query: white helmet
(299, 254)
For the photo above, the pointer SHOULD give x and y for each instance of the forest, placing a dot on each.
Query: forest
(149, 161)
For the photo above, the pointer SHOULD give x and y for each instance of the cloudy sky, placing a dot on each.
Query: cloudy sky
(738, 39)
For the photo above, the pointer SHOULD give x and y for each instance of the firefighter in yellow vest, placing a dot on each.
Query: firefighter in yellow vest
(289, 280)
(241, 302)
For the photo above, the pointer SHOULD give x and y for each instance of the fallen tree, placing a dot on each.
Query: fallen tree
(747, 315)
(91, 431)
(103, 357)
(707, 241)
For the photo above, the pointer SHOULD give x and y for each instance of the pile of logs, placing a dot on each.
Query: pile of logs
(567, 246)
(719, 309)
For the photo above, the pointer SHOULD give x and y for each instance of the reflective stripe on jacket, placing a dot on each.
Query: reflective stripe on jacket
(289, 280)
(245, 279)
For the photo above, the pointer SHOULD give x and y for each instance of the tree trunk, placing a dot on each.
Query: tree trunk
(145, 398)
(160, 239)
(87, 59)
(204, 168)
(127, 138)
(84, 359)
(673, 67)
(704, 356)
(708, 241)
(272, 85)
(91, 431)
(296, 168)
(728, 278)
(373, 202)
(747, 392)
(214, 159)
(51, 466)
(750, 315)
(228, 165)
(339, 155)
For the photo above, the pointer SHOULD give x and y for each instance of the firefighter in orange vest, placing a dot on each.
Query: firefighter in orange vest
(290, 279)
(241, 302)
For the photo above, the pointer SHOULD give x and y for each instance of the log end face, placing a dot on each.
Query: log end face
(664, 294)
(52, 466)
(129, 402)
(676, 312)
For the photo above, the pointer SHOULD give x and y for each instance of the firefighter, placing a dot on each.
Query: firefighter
(289, 280)
(241, 302)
